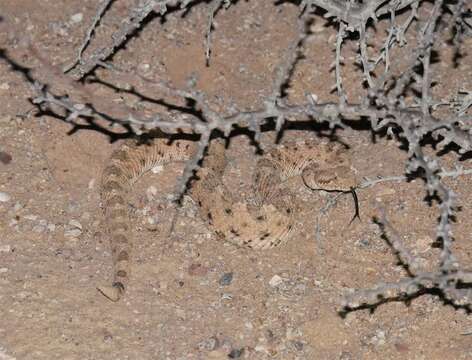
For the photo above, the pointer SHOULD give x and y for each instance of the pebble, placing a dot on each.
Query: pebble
(276, 281)
(145, 67)
(72, 233)
(3, 270)
(226, 296)
(226, 279)
(5, 158)
(209, 344)
(76, 18)
(4, 197)
(151, 192)
(378, 339)
(4, 86)
(75, 224)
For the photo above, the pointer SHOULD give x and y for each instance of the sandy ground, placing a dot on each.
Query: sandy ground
(191, 296)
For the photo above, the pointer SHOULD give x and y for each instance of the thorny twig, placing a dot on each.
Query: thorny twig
(385, 107)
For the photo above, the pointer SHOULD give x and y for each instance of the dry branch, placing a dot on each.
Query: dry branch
(384, 106)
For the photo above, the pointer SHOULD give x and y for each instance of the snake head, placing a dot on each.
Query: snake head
(336, 178)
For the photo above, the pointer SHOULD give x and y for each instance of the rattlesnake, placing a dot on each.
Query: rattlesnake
(265, 222)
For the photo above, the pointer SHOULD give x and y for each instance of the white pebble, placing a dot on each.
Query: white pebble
(151, 192)
(76, 18)
(75, 224)
(226, 296)
(4, 197)
(72, 233)
(276, 281)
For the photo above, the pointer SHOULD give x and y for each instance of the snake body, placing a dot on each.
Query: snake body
(264, 223)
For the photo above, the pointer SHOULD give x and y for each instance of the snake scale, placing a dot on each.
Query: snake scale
(264, 222)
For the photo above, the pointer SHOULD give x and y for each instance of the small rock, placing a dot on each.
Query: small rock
(107, 336)
(151, 193)
(4, 86)
(152, 221)
(3, 270)
(72, 233)
(377, 339)
(209, 344)
(76, 18)
(276, 281)
(51, 227)
(4, 197)
(75, 224)
(30, 217)
(5, 158)
(363, 243)
(145, 67)
(226, 279)
(226, 296)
